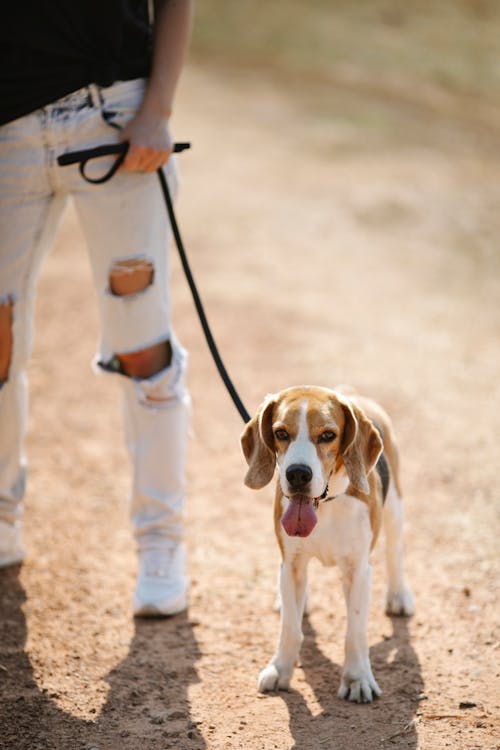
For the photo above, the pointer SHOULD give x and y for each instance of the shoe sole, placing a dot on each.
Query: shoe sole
(8, 562)
(156, 610)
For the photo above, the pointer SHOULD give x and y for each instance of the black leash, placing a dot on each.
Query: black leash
(120, 149)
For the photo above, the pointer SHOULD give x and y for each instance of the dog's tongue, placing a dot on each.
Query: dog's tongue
(300, 518)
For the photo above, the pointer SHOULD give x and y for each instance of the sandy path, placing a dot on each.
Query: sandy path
(326, 252)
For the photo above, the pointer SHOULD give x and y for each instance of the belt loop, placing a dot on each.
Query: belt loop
(95, 95)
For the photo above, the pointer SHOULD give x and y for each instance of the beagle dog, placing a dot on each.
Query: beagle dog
(338, 482)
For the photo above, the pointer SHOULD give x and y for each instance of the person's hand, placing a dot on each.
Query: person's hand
(150, 142)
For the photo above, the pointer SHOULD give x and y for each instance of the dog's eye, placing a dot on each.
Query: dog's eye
(281, 435)
(327, 437)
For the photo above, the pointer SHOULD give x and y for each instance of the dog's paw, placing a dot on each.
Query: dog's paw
(359, 690)
(271, 679)
(400, 603)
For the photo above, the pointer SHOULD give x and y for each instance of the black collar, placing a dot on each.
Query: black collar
(323, 498)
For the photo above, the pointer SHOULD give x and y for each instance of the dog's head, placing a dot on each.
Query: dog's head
(316, 437)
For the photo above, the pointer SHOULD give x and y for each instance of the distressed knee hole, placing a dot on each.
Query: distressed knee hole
(158, 371)
(146, 362)
(6, 337)
(130, 276)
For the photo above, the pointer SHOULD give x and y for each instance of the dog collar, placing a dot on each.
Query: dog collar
(323, 498)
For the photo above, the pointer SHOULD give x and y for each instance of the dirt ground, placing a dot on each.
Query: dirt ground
(329, 247)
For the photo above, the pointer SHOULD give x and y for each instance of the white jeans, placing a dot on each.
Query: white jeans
(121, 219)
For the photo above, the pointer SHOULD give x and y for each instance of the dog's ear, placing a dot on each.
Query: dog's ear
(257, 444)
(361, 446)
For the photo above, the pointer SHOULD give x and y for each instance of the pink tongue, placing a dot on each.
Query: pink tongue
(300, 517)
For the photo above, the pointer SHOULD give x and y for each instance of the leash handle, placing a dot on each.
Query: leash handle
(109, 149)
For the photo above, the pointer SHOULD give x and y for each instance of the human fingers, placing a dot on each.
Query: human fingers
(145, 158)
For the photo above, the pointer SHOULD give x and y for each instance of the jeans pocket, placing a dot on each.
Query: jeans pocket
(123, 99)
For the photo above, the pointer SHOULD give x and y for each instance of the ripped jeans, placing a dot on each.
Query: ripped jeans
(123, 221)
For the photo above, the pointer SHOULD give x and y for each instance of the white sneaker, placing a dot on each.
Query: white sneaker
(12, 550)
(162, 582)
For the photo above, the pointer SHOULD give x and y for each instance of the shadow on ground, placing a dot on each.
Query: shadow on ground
(387, 722)
(150, 682)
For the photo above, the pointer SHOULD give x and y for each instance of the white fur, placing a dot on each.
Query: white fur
(303, 451)
(399, 599)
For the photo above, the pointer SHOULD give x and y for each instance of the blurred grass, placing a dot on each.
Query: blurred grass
(452, 46)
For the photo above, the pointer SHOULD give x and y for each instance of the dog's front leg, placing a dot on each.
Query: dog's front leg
(358, 683)
(278, 673)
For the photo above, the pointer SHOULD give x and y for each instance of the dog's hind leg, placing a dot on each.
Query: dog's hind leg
(278, 673)
(399, 597)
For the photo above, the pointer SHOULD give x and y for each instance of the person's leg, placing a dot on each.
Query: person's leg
(156, 416)
(29, 213)
(127, 232)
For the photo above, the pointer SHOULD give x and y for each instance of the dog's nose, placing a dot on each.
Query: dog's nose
(298, 476)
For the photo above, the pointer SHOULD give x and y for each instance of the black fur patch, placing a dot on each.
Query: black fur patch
(383, 471)
(382, 467)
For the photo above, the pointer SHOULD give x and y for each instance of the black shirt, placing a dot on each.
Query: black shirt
(49, 48)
